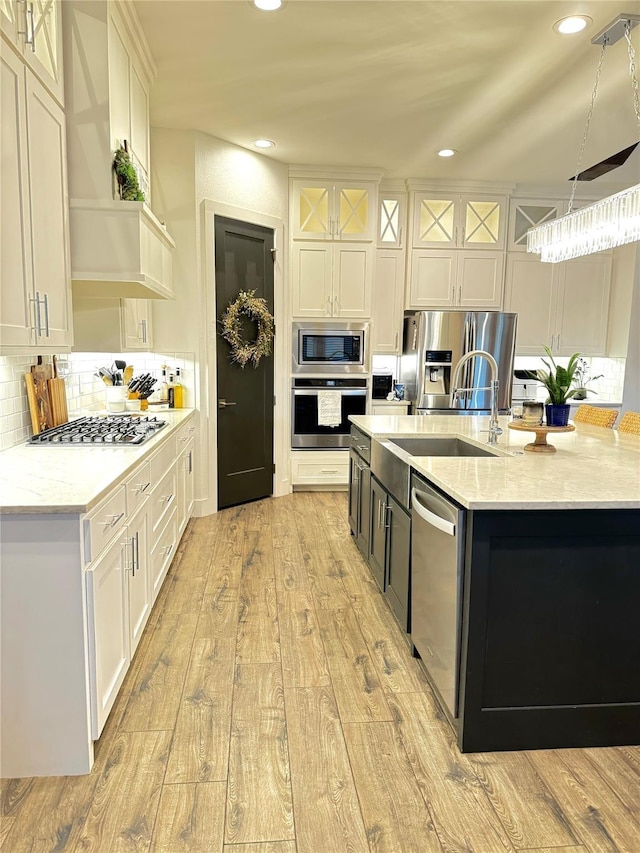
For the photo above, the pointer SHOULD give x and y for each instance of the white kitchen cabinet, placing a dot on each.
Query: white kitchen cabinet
(138, 581)
(392, 216)
(526, 213)
(36, 309)
(450, 220)
(129, 98)
(119, 249)
(136, 324)
(112, 325)
(319, 468)
(388, 301)
(331, 279)
(34, 28)
(185, 475)
(327, 209)
(564, 306)
(455, 279)
(108, 625)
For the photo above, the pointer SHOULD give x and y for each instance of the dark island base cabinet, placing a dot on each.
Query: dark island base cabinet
(550, 630)
(390, 550)
(359, 497)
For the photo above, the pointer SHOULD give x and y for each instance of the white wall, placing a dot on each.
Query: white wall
(190, 169)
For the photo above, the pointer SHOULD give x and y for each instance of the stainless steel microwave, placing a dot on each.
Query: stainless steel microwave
(337, 348)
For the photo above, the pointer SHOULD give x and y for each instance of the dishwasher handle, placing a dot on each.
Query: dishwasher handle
(430, 517)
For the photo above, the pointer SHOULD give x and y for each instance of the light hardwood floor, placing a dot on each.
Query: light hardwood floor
(273, 706)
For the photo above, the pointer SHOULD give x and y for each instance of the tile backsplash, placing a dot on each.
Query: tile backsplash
(85, 391)
(608, 389)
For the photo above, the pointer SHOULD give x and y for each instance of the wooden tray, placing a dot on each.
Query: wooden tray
(541, 430)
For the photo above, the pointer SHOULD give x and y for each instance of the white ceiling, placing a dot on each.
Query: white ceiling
(385, 84)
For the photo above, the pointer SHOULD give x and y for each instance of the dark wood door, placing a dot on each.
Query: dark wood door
(243, 261)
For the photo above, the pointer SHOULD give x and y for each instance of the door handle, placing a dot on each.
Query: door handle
(222, 404)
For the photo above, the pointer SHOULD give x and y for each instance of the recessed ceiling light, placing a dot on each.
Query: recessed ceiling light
(447, 152)
(267, 5)
(572, 24)
(263, 143)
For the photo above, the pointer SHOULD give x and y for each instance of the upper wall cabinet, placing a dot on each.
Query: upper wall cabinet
(118, 248)
(35, 299)
(444, 220)
(34, 28)
(526, 213)
(392, 217)
(333, 210)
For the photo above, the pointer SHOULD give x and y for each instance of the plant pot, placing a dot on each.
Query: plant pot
(557, 414)
(581, 394)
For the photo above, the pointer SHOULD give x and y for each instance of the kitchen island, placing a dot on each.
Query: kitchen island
(548, 630)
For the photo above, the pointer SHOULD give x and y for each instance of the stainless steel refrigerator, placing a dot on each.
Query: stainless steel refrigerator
(434, 342)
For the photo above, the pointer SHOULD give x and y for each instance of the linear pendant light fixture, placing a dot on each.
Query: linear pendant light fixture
(607, 223)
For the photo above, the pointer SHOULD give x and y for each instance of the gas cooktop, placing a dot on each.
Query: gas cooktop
(106, 431)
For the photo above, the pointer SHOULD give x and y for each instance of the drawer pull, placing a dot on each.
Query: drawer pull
(168, 550)
(142, 487)
(329, 471)
(114, 520)
(166, 498)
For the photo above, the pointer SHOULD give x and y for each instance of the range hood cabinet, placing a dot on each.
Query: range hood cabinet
(119, 249)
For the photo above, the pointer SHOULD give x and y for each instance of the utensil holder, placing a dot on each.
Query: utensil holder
(116, 396)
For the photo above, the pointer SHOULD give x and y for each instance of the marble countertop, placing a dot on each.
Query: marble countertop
(45, 479)
(593, 467)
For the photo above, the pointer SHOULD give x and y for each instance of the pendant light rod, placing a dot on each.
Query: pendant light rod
(614, 31)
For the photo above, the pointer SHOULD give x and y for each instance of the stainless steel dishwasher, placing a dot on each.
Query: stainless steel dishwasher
(437, 560)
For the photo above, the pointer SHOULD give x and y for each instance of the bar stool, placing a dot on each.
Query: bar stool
(595, 417)
(630, 423)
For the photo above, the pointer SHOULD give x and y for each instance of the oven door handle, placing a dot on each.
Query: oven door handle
(345, 392)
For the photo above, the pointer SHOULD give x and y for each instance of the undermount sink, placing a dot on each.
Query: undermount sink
(390, 459)
(421, 446)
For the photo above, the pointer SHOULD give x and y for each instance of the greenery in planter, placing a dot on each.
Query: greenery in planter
(557, 380)
(126, 175)
(581, 379)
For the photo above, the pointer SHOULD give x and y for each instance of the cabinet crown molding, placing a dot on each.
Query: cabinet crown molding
(421, 185)
(336, 173)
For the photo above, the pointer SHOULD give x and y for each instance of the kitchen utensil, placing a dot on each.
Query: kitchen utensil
(128, 374)
(57, 397)
(105, 375)
(38, 395)
(120, 364)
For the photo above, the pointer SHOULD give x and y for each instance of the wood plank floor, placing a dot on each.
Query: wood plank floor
(273, 706)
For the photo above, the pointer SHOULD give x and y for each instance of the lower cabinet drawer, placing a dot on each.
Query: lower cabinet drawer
(312, 471)
(163, 552)
(163, 499)
(103, 522)
(138, 488)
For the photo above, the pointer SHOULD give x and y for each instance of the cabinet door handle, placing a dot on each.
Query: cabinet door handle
(143, 328)
(114, 520)
(395, 345)
(137, 564)
(37, 327)
(46, 314)
(142, 487)
(387, 515)
(400, 234)
(29, 31)
(453, 294)
(168, 550)
(191, 461)
(165, 499)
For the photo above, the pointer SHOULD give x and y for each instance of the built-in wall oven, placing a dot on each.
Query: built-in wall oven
(349, 397)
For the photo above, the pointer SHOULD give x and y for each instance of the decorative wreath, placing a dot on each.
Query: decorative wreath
(254, 307)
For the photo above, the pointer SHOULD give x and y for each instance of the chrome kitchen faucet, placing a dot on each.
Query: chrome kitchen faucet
(494, 428)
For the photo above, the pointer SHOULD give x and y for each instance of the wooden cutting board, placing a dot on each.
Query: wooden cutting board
(57, 397)
(38, 395)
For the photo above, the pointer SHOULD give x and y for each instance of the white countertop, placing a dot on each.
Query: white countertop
(61, 479)
(593, 467)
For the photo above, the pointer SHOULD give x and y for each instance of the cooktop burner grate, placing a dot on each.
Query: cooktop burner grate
(110, 430)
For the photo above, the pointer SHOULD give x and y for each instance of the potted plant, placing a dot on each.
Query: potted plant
(581, 379)
(557, 380)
